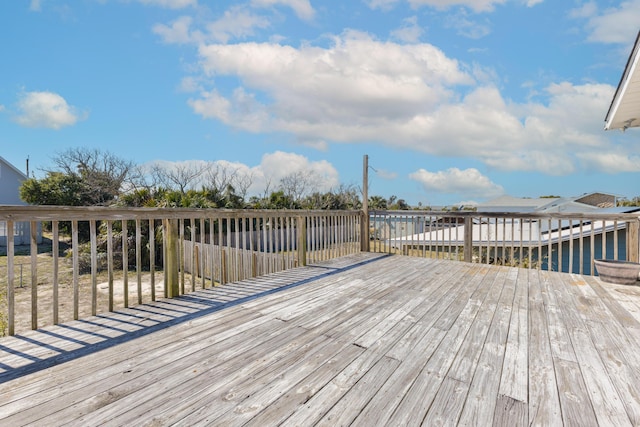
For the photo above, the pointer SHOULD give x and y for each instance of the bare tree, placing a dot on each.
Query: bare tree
(296, 185)
(102, 173)
(242, 182)
(181, 176)
(220, 176)
(217, 177)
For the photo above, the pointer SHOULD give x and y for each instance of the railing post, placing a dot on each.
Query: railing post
(468, 239)
(364, 232)
(302, 241)
(172, 261)
(632, 241)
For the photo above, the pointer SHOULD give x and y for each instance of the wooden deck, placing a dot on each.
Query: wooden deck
(362, 340)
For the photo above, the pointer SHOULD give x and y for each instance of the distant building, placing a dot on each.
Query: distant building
(10, 180)
(588, 202)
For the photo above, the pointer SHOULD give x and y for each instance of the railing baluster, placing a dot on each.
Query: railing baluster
(236, 249)
(138, 259)
(211, 252)
(615, 239)
(549, 246)
(94, 269)
(570, 246)
(560, 245)
(194, 267)
(33, 252)
(592, 246)
(110, 262)
(604, 240)
(11, 302)
(55, 250)
(202, 257)
(125, 262)
(152, 258)
(521, 247)
(449, 233)
(504, 241)
(488, 227)
(581, 247)
(76, 287)
(165, 272)
(182, 256)
(529, 245)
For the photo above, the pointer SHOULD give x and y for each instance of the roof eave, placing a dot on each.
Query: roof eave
(629, 71)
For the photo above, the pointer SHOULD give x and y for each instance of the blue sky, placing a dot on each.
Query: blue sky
(453, 100)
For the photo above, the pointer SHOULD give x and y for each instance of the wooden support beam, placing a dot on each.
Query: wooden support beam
(172, 260)
(302, 241)
(364, 224)
(468, 239)
(633, 251)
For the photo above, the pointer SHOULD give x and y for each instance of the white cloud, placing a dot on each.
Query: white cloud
(401, 95)
(381, 4)
(264, 176)
(385, 174)
(178, 32)
(190, 84)
(241, 111)
(613, 25)
(612, 162)
(468, 183)
(170, 4)
(410, 30)
(302, 8)
(35, 6)
(45, 109)
(237, 22)
(475, 5)
(467, 27)
(277, 165)
(357, 83)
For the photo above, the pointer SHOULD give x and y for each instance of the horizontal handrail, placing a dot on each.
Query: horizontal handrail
(82, 213)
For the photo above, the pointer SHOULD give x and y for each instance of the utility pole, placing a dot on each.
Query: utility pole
(364, 235)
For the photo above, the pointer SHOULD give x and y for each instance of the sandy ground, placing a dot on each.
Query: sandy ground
(65, 297)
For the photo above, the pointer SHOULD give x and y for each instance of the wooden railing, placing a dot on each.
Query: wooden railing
(556, 242)
(100, 259)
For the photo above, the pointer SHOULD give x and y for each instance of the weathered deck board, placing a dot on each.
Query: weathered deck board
(363, 340)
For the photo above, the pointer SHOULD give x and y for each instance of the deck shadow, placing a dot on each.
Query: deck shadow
(208, 299)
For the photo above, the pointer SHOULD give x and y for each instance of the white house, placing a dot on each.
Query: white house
(10, 180)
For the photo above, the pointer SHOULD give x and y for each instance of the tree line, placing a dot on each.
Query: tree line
(93, 177)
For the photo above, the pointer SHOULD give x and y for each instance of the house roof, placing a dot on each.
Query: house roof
(513, 204)
(624, 111)
(18, 171)
(587, 202)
